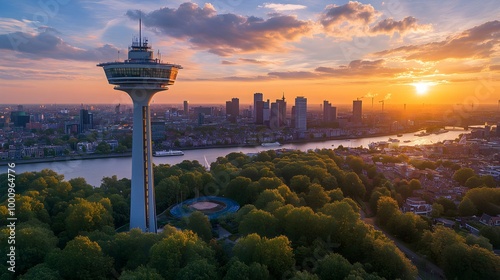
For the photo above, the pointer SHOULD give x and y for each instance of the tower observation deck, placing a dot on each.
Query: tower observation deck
(141, 76)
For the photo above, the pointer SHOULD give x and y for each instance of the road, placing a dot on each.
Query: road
(426, 269)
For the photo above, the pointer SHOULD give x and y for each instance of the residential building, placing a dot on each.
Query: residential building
(417, 206)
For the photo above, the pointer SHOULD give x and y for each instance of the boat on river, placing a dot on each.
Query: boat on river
(273, 144)
(168, 153)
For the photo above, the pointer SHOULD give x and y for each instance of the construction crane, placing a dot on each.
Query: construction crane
(382, 101)
(358, 98)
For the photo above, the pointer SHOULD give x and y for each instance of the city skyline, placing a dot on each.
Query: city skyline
(401, 51)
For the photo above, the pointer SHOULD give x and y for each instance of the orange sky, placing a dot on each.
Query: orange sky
(445, 52)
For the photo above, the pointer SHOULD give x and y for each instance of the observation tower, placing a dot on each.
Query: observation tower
(141, 76)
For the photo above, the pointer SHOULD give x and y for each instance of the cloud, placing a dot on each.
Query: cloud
(351, 13)
(282, 7)
(10, 25)
(227, 62)
(478, 42)
(255, 61)
(47, 45)
(390, 26)
(292, 75)
(495, 68)
(225, 34)
(246, 61)
(361, 68)
(356, 68)
(357, 19)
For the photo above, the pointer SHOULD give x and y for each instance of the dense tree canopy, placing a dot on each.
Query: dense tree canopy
(299, 218)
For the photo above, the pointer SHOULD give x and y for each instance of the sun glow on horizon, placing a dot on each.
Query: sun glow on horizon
(422, 88)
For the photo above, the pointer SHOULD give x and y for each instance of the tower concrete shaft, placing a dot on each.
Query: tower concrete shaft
(142, 195)
(141, 76)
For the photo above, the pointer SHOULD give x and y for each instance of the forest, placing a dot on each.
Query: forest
(301, 217)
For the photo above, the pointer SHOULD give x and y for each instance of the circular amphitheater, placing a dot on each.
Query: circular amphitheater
(212, 206)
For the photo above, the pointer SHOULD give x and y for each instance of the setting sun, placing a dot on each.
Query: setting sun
(421, 87)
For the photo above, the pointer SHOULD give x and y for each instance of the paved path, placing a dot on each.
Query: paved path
(426, 269)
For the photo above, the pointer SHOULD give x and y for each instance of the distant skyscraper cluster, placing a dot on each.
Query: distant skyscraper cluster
(267, 113)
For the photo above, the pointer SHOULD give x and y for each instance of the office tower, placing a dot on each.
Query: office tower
(333, 114)
(329, 112)
(301, 113)
(235, 107)
(274, 116)
(259, 112)
(256, 98)
(357, 113)
(229, 109)
(266, 112)
(186, 108)
(326, 111)
(86, 121)
(19, 118)
(141, 76)
(282, 111)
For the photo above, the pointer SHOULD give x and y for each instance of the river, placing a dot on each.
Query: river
(93, 170)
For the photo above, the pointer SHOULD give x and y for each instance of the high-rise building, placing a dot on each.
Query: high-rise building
(301, 113)
(333, 114)
(259, 112)
(256, 98)
(329, 112)
(326, 111)
(274, 117)
(186, 108)
(229, 109)
(357, 111)
(141, 76)
(266, 112)
(281, 111)
(19, 118)
(86, 121)
(235, 107)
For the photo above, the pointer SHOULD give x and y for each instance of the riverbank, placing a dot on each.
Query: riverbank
(66, 158)
(128, 154)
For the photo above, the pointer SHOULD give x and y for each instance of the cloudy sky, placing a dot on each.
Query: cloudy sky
(408, 51)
